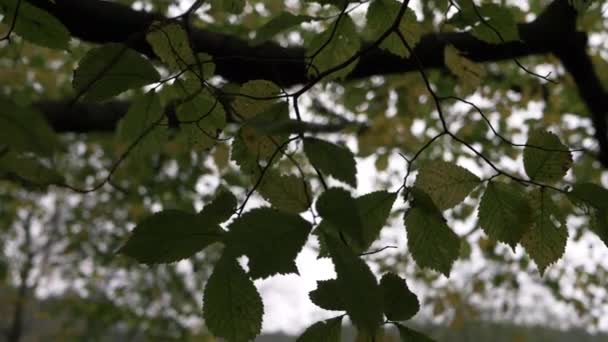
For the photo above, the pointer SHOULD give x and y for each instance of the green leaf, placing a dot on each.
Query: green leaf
(240, 154)
(324, 331)
(171, 44)
(270, 238)
(409, 335)
(232, 306)
(255, 97)
(446, 183)
(505, 213)
(261, 144)
(34, 24)
(546, 159)
(589, 195)
(593, 199)
(201, 116)
(469, 72)
(28, 170)
(327, 295)
(381, 15)
(141, 125)
(285, 192)
(340, 210)
(344, 44)
(499, 25)
(336, 161)
(432, 243)
(359, 288)
(220, 209)
(374, 210)
(168, 236)
(111, 69)
(278, 24)
(580, 5)
(400, 303)
(230, 6)
(25, 130)
(546, 240)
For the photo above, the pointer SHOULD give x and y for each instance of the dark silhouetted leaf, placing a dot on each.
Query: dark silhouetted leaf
(111, 69)
(409, 335)
(336, 161)
(327, 295)
(220, 209)
(168, 236)
(341, 212)
(324, 331)
(271, 239)
(359, 289)
(400, 303)
(232, 306)
(35, 24)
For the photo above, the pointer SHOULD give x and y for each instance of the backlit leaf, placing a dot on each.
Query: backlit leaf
(285, 192)
(446, 183)
(111, 69)
(201, 116)
(168, 236)
(336, 161)
(255, 97)
(271, 239)
(381, 15)
(232, 306)
(505, 213)
(400, 303)
(429, 239)
(546, 159)
(260, 143)
(171, 44)
(344, 43)
(546, 240)
(469, 72)
(498, 26)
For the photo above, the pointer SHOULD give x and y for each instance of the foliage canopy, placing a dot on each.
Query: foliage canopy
(233, 133)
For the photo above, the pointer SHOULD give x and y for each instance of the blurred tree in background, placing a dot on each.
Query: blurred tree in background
(229, 128)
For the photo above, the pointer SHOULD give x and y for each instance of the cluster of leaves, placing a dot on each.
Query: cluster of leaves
(188, 109)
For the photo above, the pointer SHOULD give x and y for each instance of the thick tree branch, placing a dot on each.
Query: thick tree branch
(236, 60)
(100, 21)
